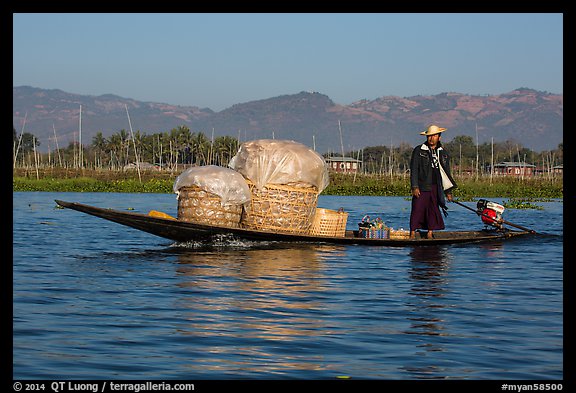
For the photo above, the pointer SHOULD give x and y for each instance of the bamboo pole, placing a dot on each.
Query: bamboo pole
(342, 145)
(35, 157)
(492, 162)
(134, 143)
(477, 157)
(211, 154)
(81, 151)
(20, 139)
(57, 147)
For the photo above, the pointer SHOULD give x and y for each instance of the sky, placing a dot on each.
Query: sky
(218, 60)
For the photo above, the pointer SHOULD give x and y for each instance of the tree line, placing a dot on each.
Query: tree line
(164, 150)
(467, 157)
(181, 146)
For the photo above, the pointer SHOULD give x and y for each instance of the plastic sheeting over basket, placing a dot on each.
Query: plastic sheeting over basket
(211, 195)
(286, 162)
(285, 178)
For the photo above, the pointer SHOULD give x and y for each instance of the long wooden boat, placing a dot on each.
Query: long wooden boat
(181, 231)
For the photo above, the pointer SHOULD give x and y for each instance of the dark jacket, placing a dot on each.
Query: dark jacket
(422, 173)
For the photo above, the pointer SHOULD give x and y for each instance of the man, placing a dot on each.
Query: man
(431, 183)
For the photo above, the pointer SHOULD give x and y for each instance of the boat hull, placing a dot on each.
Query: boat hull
(181, 231)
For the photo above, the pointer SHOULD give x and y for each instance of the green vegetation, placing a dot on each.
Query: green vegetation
(102, 166)
(85, 184)
(520, 191)
(520, 203)
(468, 189)
(168, 149)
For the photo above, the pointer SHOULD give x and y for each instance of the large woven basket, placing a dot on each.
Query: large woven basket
(280, 208)
(202, 207)
(329, 223)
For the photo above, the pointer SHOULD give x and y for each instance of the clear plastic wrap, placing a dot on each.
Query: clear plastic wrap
(271, 161)
(226, 183)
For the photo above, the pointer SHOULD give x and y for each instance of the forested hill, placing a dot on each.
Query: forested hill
(532, 118)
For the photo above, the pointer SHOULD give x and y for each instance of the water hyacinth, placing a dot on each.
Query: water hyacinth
(469, 188)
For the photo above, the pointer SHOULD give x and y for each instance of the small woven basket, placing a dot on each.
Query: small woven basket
(329, 223)
(280, 208)
(399, 234)
(202, 207)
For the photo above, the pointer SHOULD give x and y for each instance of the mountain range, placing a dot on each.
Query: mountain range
(534, 119)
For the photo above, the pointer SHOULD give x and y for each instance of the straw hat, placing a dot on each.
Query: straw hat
(433, 130)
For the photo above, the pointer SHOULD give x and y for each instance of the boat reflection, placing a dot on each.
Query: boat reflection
(277, 294)
(493, 253)
(428, 274)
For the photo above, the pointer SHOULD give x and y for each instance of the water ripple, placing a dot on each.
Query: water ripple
(95, 300)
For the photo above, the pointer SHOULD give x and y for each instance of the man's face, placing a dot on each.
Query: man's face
(433, 139)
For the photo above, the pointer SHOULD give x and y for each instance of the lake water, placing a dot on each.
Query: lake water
(96, 300)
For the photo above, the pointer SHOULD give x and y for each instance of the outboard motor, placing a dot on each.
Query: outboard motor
(490, 212)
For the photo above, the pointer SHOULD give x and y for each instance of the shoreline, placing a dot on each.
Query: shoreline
(85, 180)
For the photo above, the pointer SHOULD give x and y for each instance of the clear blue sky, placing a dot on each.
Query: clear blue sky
(218, 60)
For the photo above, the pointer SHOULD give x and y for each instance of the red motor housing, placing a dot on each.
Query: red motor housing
(490, 212)
(489, 217)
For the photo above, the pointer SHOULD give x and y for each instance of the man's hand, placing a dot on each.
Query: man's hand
(449, 197)
(416, 192)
